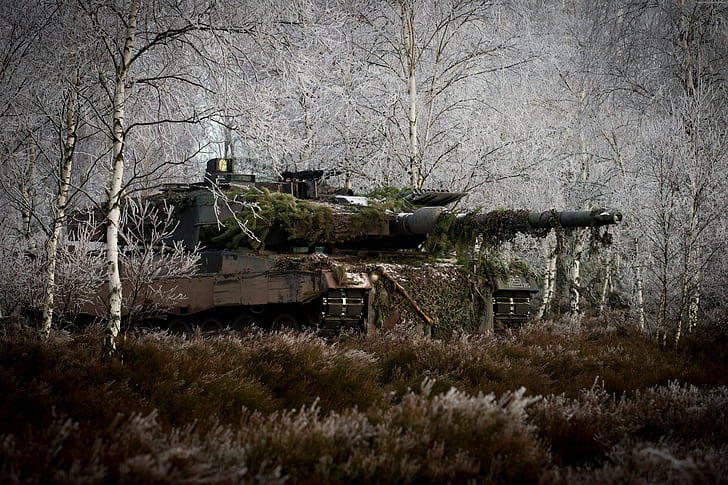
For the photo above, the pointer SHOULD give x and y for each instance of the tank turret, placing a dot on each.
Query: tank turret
(345, 222)
(313, 217)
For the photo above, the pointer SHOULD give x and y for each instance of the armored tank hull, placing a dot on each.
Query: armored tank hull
(269, 290)
(336, 262)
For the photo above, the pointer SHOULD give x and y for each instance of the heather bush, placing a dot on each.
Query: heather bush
(545, 359)
(448, 437)
(189, 379)
(553, 403)
(599, 429)
(649, 462)
(301, 369)
(132, 449)
(455, 437)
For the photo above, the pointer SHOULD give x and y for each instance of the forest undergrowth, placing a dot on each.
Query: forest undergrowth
(554, 402)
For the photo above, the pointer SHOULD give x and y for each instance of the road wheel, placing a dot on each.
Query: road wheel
(245, 321)
(179, 326)
(285, 321)
(211, 325)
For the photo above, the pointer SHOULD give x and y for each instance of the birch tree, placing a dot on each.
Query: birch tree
(20, 34)
(59, 218)
(703, 118)
(573, 95)
(292, 101)
(149, 45)
(122, 64)
(665, 67)
(151, 264)
(41, 76)
(427, 54)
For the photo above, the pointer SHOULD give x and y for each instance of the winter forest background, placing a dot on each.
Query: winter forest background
(529, 104)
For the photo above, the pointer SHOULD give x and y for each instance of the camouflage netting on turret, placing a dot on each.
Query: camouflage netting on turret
(276, 218)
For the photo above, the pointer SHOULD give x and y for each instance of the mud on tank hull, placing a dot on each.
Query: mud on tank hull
(335, 294)
(241, 290)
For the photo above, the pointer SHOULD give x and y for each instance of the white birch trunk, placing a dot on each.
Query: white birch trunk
(415, 161)
(690, 292)
(575, 276)
(549, 279)
(640, 297)
(690, 295)
(228, 144)
(308, 122)
(686, 291)
(25, 194)
(694, 304)
(678, 333)
(605, 287)
(580, 236)
(114, 202)
(639, 285)
(60, 209)
(416, 169)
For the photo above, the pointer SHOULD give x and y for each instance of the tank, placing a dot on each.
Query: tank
(323, 258)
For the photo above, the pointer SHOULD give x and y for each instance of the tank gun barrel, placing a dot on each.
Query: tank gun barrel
(425, 220)
(593, 218)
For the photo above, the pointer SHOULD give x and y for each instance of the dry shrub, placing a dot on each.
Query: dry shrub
(472, 363)
(188, 379)
(450, 437)
(683, 413)
(602, 430)
(293, 408)
(550, 358)
(65, 374)
(573, 353)
(648, 462)
(132, 449)
(456, 437)
(300, 369)
(220, 375)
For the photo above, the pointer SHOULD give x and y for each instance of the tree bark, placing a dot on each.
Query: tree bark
(605, 286)
(113, 326)
(408, 34)
(550, 279)
(694, 304)
(639, 284)
(25, 194)
(60, 209)
(575, 272)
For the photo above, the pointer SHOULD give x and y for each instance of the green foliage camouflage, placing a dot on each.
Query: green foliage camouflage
(390, 198)
(475, 241)
(454, 296)
(368, 218)
(271, 215)
(276, 218)
(460, 233)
